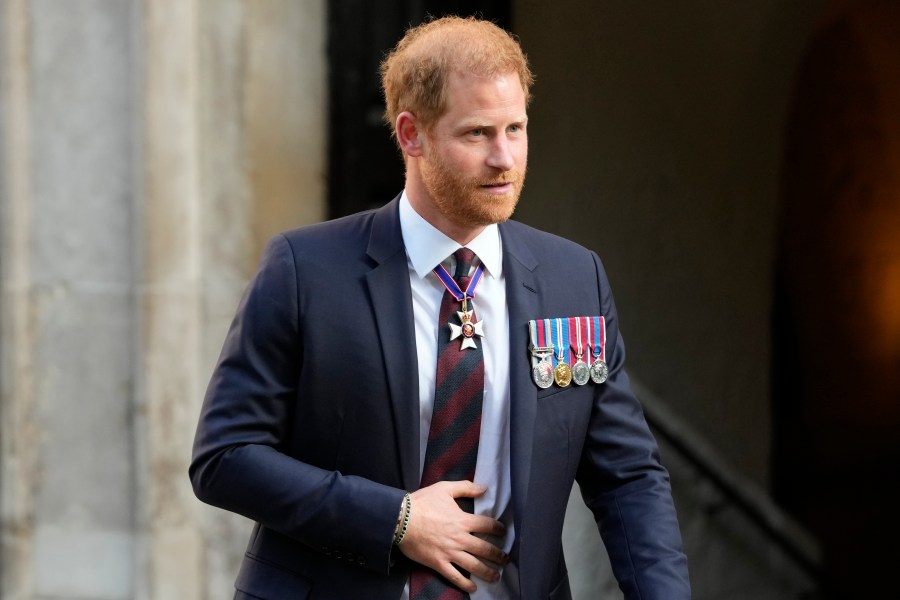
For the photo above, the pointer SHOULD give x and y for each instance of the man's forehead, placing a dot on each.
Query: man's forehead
(466, 77)
(468, 88)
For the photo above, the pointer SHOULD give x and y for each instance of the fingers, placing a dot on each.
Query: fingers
(441, 535)
(480, 524)
(477, 568)
(468, 489)
(464, 489)
(481, 570)
(483, 550)
(458, 579)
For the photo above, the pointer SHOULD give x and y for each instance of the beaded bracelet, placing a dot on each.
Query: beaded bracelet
(400, 532)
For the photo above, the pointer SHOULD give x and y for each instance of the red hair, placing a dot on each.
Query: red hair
(415, 75)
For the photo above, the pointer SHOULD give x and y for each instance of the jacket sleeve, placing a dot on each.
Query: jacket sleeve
(240, 461)
(624, 484)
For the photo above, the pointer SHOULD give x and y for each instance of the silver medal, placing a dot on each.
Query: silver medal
(599, 371)
(542, 373)
(581, 373)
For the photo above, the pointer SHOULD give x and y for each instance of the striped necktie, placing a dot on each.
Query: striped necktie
(452, 447)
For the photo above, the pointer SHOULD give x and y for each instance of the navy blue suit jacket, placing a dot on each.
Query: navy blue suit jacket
(310, 425)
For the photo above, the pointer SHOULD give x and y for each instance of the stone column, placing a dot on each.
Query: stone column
(168, 295)
(234, 147)
(262, 144)
(17, 430)
(149, 148)
(67, 326)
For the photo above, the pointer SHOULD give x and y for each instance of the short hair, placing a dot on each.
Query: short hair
(415, 74)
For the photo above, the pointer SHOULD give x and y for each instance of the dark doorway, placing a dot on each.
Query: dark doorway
(837, 331)
(365, 168)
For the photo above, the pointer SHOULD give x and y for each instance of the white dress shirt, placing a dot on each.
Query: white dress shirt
(426, 247)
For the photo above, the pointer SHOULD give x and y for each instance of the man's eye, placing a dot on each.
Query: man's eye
(515, 128)
(477, 132)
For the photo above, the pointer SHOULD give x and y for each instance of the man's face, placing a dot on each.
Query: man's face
(473, 166)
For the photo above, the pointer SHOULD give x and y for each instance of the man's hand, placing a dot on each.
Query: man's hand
(440, 534)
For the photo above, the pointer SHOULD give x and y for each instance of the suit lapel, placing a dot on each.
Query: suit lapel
(522, 300)
(391, 300)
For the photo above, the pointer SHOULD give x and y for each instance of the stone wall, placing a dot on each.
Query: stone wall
(149, 150)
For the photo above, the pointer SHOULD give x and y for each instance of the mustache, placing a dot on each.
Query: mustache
(506, 178)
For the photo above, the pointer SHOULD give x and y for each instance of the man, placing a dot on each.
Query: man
(400, 432)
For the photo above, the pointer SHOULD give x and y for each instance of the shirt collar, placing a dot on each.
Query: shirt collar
(427, 247)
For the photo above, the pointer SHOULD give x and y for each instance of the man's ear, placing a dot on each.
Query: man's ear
(409, 134)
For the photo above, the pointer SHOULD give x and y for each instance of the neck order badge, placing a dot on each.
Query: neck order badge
(467, 328)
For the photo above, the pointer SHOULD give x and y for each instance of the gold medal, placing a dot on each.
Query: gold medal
(562, 375)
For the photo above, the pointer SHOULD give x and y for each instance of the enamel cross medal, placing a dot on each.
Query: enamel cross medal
(467, 328)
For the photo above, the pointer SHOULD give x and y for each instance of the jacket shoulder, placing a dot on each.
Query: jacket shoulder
(363, 238)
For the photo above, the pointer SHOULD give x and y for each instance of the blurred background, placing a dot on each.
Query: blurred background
(735, 164)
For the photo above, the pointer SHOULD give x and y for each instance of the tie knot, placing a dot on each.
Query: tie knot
(464, 259)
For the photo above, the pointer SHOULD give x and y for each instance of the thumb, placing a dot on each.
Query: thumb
(466, 489)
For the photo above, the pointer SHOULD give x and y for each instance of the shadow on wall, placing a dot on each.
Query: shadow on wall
(837, 330)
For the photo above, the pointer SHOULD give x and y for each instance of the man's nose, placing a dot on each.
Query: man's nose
(501, 156)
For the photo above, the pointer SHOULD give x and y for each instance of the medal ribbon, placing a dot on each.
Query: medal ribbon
(597, 337)
(454, 288)
(537, 341)
(547, 331)
(561, 335)
(540, 333)
(564, 335)
(577, 346)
